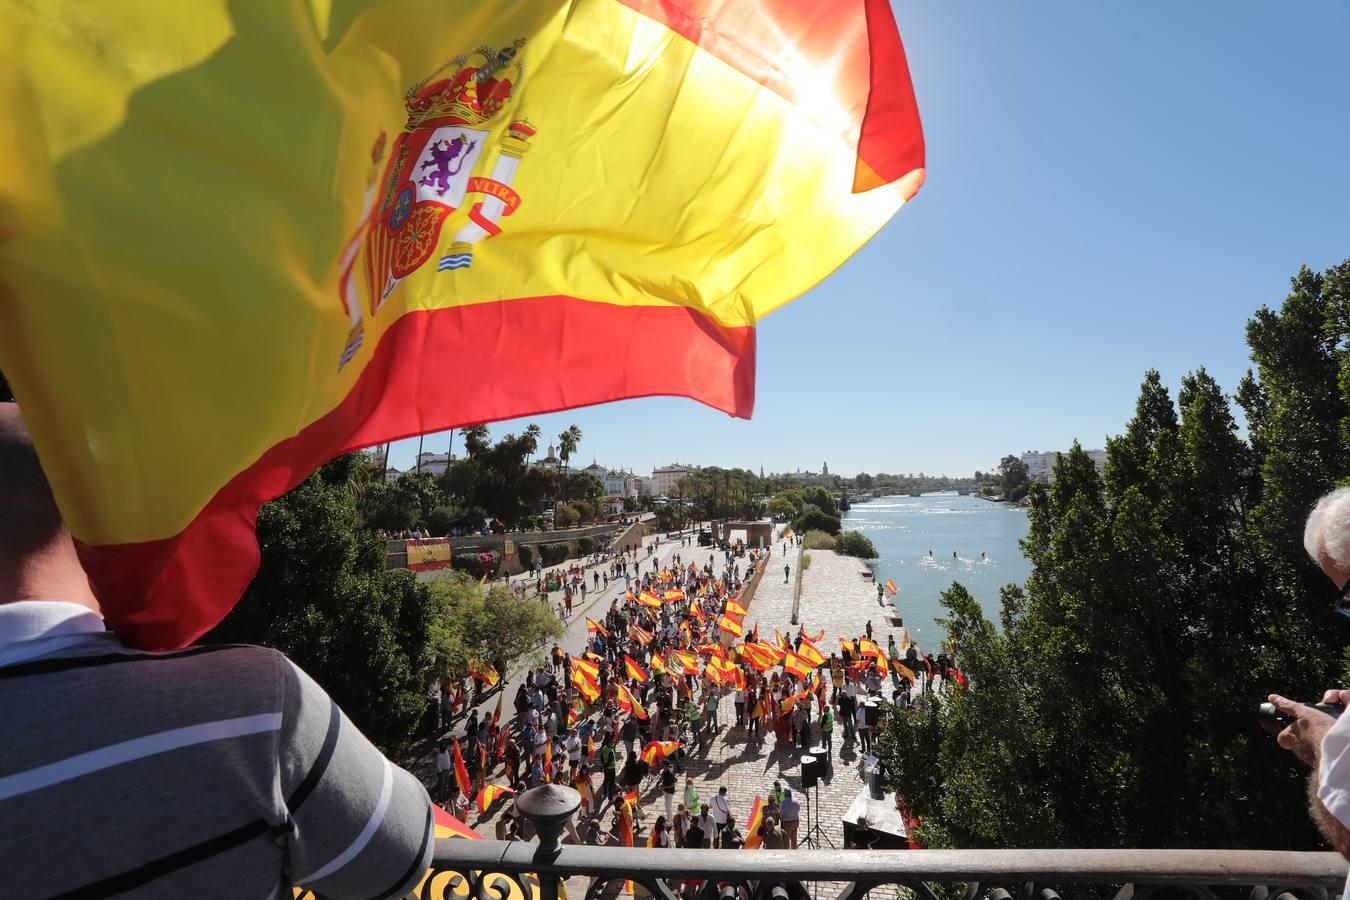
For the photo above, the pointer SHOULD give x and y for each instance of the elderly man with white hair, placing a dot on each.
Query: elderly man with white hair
(1320, 740)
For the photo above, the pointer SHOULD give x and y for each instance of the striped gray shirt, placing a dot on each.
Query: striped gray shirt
(210, 771)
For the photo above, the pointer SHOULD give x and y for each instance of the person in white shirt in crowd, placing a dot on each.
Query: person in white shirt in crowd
(573, 750)
(442, 771)
(707, 826)
(721, 808)
(864, 730)
(540, 743)
(1319, 740)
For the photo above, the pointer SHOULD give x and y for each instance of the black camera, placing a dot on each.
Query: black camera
(1274, 721)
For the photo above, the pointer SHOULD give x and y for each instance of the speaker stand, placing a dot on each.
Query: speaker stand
(815, 835)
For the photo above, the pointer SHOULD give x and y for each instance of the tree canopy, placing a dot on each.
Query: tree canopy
(1167, 597)
(1014, 477)
(376, 639)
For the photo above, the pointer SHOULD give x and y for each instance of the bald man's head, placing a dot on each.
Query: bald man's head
(29, 518)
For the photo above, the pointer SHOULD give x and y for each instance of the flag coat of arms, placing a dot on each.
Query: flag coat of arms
(270, 238)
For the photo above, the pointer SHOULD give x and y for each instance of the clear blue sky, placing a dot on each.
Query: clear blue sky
(1111, 187)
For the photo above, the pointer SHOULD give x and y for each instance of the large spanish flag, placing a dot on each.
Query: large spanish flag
(237, 240)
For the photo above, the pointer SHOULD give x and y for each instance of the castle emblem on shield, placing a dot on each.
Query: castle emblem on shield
(435, 167)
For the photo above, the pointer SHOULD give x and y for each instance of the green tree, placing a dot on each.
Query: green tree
(823, 499)
(475, 440)
(495, 626)
(531, 441)
(717, 493)
(855, 543)
(567, 445)
(813, 517)
(1014, 477)
(408, 501)
(1166, 598)
(323, 597)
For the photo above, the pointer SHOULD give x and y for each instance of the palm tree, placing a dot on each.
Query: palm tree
(532, 433)
(567, 445)
(475, 439)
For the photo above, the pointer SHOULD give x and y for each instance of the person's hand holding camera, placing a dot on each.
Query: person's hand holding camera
(1303, 737)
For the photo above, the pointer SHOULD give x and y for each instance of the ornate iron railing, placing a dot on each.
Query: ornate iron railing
(477, 869)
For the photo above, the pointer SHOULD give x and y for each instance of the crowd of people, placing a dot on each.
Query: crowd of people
(619, 720)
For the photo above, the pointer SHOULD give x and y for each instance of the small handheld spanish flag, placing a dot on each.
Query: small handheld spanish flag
(490, 794)
(626, 826)
(795, 665)
(586, 684)
(731, 626)
(634, 670)
(753, 839)
(655, 751)
(890, 586)
(485, 673)
(629, 703)
(688, 662)
(462, 773)
(808, 652)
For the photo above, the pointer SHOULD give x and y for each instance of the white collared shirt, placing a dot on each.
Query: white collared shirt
(30, 629)
(1333, 787)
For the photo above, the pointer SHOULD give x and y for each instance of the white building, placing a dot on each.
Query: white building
(615, 483)
(432, 463)
(1041, 464)
(665, 478)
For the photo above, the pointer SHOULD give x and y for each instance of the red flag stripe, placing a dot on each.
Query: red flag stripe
(166, 593)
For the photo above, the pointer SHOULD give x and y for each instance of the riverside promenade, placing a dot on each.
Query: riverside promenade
(835, 598)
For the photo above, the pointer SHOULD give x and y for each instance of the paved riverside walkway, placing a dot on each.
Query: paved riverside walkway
(835, 598)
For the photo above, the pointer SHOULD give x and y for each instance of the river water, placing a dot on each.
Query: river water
(905, 529)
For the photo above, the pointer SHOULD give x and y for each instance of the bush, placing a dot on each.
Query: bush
(818, 540)
(552, 554)
(566, 517)
(525, 553)
(585, 545)
(476, 564)
(806, 561)
(855, 543)
(814, 518)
